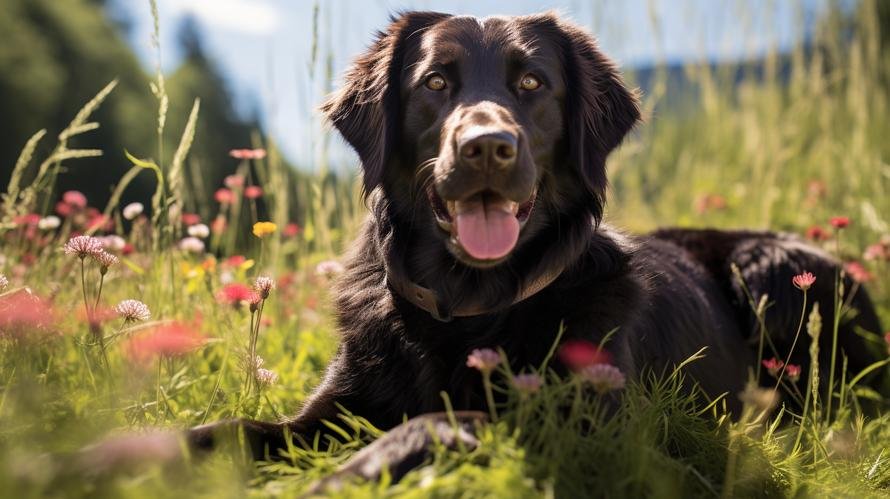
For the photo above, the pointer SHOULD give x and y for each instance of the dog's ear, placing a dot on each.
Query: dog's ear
(366, 109)
(600, 109)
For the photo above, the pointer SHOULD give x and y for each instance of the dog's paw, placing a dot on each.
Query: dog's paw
(406, 447)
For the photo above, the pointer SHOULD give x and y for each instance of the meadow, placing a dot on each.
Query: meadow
(790, 142)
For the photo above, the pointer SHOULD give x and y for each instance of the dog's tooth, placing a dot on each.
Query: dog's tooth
(514, 207)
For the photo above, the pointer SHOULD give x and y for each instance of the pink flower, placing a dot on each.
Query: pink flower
(291, 230)
(266, 377)
(105, 260)
(253, 192)
(817, 233)
(234, 181)
(876, 251)
(773, 366)
(483, 359)
(235, 293)
(75, 199)
(23, 311)
(133, 310)
(803, 281)
(191, 219)
(234, 261)
(264, 285)
(527, 383)
(64, 209)
(603, 377)
(578, 354)
(83, 246)
(329, 268)
(248, 153)
(224, 196)
(839, 222)
(168, 340)
(218, 226)
(792, 371)
(858, 272)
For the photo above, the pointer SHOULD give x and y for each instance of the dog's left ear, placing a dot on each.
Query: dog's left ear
(600, 108)
(366, 109)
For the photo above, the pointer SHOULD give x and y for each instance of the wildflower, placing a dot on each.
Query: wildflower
(48, 223)
(527, 383)
(235, 261)
(248, 153)
(264, 285)
(192, 245)
(133, 210)
(4, 282)
(329, 268)
(75, 199)
(98, 221)
(578, 354)
(113, 242)
(261, 229)
(198, 230)
(234, 294)
(792, 371)
(64, 209)
(839, 222)
(253, 192)
(876, 251)
(83, 246)
(191, 219)
(266, 377)
(128, 249)
(858, 272)
(168, 340)
(219, 225)
(133, 310)
(224, 196)
(817, 233)
(483, 359)
(291, 230)
(803, 281)
(603, 377)
(105, 260)
(253, 301)
(761, 399)
(773, 366)
(23, 311)
(709, 202)
(234, 181)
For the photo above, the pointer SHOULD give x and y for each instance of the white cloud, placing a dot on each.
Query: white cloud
(245, 16)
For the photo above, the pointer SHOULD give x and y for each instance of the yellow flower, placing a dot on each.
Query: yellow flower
(261, 229)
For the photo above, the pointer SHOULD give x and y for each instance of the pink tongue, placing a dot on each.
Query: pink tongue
(486, 231)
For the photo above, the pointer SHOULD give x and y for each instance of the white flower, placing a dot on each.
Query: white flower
(199, 230)
(113, 242)
(133, 310)
(264, 285)
(49, 223)
(329, 268)
(266, 377)
(3, 282)
(83, 246)
(133, 210)
(192, 245)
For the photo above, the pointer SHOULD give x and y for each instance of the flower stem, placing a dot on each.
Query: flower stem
(489, 396)
(835, 324)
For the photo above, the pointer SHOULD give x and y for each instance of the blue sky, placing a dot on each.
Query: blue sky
(264, 47)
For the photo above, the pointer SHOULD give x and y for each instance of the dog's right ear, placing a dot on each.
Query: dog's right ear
(366, 109)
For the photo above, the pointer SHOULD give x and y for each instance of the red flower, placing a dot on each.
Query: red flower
(128, 249)
(64, 209)
(234, 261)
(75, 199)
(291, 230)
(168, 340)
(803, 281)
(578, 354)
(248, 153)
(218, 226)
(877, 251)
(234, 181)
(23, 311)
(235, 293)
(858, 272)
(839, 222)
(793, 372)
(774, 365)
(253, 191)
(817, 233)
(191, 219)
(30, 219)
(224, 196)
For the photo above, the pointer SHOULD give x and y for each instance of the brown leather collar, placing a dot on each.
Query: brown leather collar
(426, 299)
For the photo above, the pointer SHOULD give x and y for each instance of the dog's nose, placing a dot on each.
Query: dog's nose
(485, 148)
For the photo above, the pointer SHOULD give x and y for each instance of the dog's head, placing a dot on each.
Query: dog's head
(482, 131)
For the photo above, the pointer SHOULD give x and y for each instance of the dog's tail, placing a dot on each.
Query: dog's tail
(766, 263)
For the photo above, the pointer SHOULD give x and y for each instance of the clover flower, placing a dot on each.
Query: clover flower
(792, 371)
(266, 377)
(105, 260)
(133, 311)
(83, 246)
(527, 383)
(133, 210)
(603, 377)
(198, 230)
(264, 285)
(483, 359)
(329, 268)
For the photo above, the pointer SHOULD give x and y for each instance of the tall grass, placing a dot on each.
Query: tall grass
(779, 149)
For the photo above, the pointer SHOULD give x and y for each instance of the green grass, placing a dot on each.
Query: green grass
(781, 155)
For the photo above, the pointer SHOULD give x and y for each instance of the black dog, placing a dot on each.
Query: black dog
(483, 143)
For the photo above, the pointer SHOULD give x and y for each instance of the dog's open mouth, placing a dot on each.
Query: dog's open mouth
(485, 225)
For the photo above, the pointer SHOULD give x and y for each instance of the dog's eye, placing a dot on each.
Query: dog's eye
(529, 82)
(436, 82)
